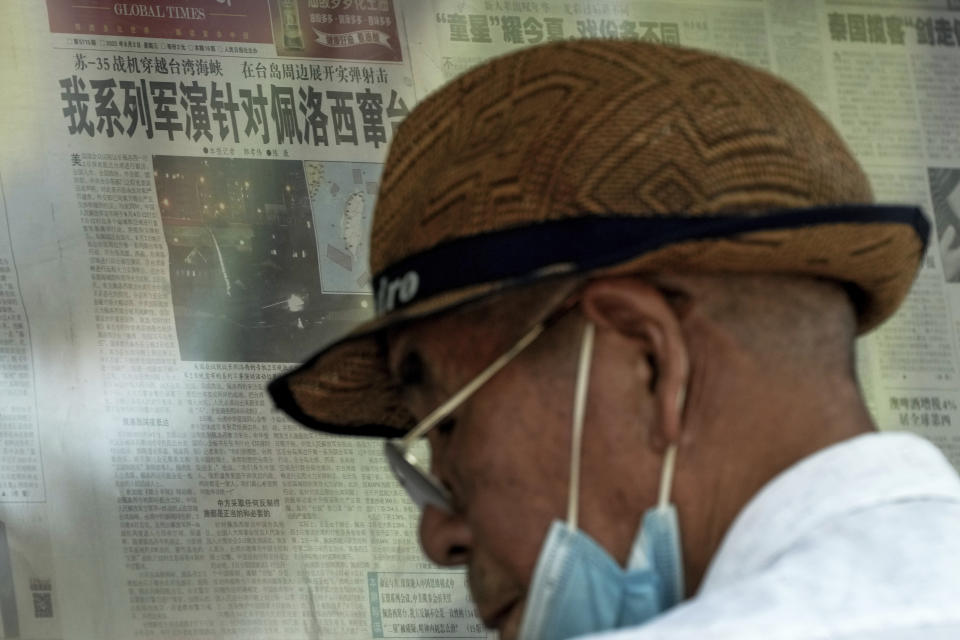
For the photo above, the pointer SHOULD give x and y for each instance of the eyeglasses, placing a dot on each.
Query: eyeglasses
(421, 485)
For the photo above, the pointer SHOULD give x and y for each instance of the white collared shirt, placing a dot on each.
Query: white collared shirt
(859, 541)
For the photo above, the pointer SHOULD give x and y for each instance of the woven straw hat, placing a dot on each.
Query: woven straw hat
(602, 157)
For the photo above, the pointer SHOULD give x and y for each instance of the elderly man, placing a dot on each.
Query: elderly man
(618, 286)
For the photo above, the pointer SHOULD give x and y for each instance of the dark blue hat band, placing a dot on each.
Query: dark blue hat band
(591, 242)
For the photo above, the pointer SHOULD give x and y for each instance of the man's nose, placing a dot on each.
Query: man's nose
(445, 537)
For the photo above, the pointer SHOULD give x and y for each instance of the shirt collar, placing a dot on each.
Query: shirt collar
(864, 471)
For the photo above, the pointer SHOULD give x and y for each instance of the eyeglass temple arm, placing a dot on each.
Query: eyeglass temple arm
(468, 389)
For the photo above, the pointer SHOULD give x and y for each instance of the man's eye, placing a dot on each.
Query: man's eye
(410, 371)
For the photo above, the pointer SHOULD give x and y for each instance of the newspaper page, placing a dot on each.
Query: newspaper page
(893, 71)
(186, 198)
(189, 202)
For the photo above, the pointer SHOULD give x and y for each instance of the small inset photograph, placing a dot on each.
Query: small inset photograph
(945, 192)
(342, 195)
(340, 30)
(244, 268)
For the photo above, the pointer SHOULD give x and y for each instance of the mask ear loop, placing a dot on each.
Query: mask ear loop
(670, 458)
(579, 410)
(666, 476)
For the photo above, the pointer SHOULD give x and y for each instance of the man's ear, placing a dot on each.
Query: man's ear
(639, 312)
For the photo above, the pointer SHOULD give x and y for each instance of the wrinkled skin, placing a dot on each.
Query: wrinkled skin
(506, 454)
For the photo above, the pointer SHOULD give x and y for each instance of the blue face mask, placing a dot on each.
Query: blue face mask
(578, 587)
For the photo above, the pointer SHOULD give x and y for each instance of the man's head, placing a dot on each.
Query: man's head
(700, 214)
(675, 360)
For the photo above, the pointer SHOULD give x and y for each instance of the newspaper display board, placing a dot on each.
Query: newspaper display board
(187, 190)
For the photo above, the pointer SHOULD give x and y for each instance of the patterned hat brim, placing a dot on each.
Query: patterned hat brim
(346, 388)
